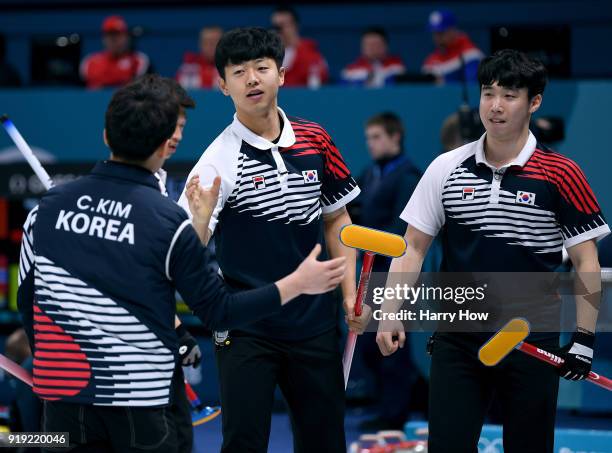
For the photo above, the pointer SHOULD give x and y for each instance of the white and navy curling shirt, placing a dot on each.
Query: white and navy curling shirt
(516, 218)
(269, 214)
(101, 260)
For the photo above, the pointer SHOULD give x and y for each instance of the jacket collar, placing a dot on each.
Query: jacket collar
(128, 172)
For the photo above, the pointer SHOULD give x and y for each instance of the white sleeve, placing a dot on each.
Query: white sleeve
(220, 158)
(425, 210)
(26, 254)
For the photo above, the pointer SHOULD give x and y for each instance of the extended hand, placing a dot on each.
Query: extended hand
(202, 201)
(318, 277)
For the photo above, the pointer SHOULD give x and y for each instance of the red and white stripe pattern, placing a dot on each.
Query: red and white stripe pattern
(517, 224)
(291, 199)
(60, 366)
(373, 73)
(565, 175)
(90, 349)
(299, 202)
(308, 133)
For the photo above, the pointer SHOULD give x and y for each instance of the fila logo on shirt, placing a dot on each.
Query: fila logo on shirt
(310, 176)
(259, 182)
(468, 193)
(525, 198)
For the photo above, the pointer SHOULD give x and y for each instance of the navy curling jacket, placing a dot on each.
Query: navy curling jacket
(101, 260)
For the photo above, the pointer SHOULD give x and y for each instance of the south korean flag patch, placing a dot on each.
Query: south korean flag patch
(310, 176)
(525, 198)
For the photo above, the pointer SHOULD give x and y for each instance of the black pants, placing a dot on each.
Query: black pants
(395, 377)
(309, 374)
(181, 412)
(103, 429)
(461, 390)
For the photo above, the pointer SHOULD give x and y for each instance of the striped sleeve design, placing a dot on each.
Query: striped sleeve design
(566, 176)
(338, 186)
(26, 256)
(579, 215)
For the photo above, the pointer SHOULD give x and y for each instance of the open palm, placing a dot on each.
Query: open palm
(202, 201)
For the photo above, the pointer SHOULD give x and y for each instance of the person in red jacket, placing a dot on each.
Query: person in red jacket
(198, 69)
(304, 65)
(374, 67)
(117, 64)
(456, 58)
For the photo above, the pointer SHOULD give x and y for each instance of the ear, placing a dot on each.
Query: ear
(223, 86)
(535, 103)
(396, 137)
(105, 138)
(163, 152)
(281, 76)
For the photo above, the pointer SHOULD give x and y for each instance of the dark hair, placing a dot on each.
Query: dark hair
(289, 10)
(390, 122)
(184, 100)
(513, 69)
(376, 31)
(246, 44)
(140, 117)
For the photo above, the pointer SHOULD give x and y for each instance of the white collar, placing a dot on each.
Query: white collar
(520, 160)
(287, 137)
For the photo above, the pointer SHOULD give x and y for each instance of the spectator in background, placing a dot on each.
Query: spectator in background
(456, 58)
(461, 127)
(387, 185)
(9, 77)
(198, 69)
(304, 65)
(375, 67)
(450, 133)
(389, 181)
(118, 63)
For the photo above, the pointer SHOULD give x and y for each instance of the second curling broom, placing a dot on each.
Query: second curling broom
(372, 242)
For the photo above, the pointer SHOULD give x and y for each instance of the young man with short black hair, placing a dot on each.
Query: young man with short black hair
(502, 204)
(101, 260)
(284, 188)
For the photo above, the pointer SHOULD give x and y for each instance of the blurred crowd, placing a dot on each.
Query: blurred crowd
(454, 57)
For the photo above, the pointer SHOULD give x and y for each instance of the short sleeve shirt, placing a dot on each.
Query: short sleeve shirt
(269, 214)
(516, 218)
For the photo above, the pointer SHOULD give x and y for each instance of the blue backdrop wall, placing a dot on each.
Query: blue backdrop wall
(69, 123)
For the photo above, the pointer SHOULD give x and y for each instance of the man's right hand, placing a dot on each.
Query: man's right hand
(316, 277)
(387, 331)
(312, 276)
